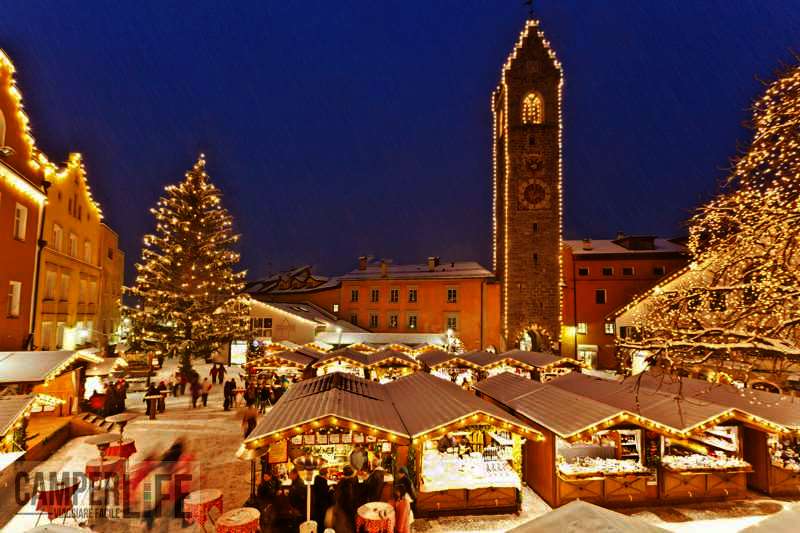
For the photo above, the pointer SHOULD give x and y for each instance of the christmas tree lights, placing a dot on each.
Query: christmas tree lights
(189, 291)
(738, 306)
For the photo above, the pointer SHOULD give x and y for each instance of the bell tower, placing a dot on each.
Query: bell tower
(526, 186)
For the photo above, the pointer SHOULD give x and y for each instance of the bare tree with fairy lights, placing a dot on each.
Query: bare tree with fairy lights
(737, 309)
(186, 283)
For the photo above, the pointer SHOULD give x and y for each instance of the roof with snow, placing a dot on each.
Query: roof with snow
(626, 245)
(35, 367)
(442, 270)
(11, 409)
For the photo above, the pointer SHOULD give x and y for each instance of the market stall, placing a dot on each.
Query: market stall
(291, 364)
(387, 365)
(450, 366)
(612, 444)
(467, 452)
(345, 360)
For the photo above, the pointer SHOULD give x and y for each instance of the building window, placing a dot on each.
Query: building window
(87, 251)
(532, 109)
(583, 271)
(394, 296)
(373, 320)
(14, 293)
(452, 295)
(354, 318)
(609, 328)
(261, 327)
(354, 295)
(110, 253)
(59, 335)
(335, 308)
(600, 296)
(47, 335)
(535, 259)
(73, 245)
(20, 222)
(64, 293)
(535, 227)
(582, 328)
(50, 285)
(608, 271)
(452, 322)
(394, 321)
(627, 271)
(412, 321)
(92, 291)
(659, 271)
(58, 237)
(82, 291)
(374, 295)
(412, 296)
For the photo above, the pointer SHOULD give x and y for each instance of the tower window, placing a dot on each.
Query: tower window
(583, 271)
(532, 109)
(608, 271)
(535, 227)
(600, 296)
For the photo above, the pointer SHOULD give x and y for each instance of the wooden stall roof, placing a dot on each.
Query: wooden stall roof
(426, 403)
(11, 408)
(355, 357)
(36, 367)
(539, 359)
(333, 395)
(387, 356)
(435, 357)
(409, 407)
(292, 357)
(481, 357)
(562, 412)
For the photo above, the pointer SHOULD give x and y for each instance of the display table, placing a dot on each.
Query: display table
(124, 448)
(199, 502)
(375, 517)
(686, 485)
(466, 501)
(603, 488)
(55, 498)
(241, 520)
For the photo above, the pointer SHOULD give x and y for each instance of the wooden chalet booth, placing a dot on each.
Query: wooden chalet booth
(402, 423)
(628, 443)
(346, 360)
(451, 366)
(388, 364)
(294, 364)
(466, 452)
(534, 365)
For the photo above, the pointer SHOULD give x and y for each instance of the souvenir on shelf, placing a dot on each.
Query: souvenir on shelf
(698, 461)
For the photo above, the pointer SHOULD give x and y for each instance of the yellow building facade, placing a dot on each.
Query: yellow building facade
(75, 277)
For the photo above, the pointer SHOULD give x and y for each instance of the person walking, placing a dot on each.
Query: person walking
(151, 391)
(227, 392)
(249, 419)
(194, 389)
(402, 510)
(221, 373)
(205, 390)
(263, 398)
(320, 500)
(162, 390)
(213, 373)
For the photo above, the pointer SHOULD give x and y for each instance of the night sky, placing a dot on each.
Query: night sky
(337, 129)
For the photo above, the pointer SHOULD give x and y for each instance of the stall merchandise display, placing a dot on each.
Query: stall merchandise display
(588, 466)
(697, 461)
(785, 453)
(445, 471)
(725, 438)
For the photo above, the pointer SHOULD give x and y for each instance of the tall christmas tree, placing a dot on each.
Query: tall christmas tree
(186, 283)
(738, 308)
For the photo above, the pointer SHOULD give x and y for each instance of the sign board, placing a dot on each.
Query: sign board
(278, 452)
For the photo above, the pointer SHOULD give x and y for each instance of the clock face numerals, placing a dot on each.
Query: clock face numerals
(533, 194)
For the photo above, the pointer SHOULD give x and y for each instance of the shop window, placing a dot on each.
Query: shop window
(354, 295)
(374, 295)
(582, 328)
(20, 222)
(659, 270)
(532, 109)
(583, 271)
(600, 296)
(14, 293)
(627, 271)
(609, 328)
(608, 271)
(452, 295)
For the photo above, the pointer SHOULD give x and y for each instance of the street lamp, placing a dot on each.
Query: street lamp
(306, 465)
(339, 331)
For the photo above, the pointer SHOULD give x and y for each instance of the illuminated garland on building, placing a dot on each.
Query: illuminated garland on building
(739, 302)
(190, 293)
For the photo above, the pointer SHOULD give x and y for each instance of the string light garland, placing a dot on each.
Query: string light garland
(738, 304)
(190, 293)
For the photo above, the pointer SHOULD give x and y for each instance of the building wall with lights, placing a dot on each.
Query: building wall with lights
(21, 201)
(602, 276)
(112, 265)
(526, 185)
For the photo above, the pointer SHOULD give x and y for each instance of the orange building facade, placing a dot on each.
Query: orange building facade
(22, 200)
(602, 276)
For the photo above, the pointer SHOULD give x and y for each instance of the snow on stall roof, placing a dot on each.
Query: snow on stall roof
(579, 516)
(33, 367)
(11, 408)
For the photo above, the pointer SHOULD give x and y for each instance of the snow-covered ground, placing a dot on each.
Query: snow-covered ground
(213, 436)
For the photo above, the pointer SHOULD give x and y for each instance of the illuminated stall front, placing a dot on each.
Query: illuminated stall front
(346, 360)
(451, 366)
(387, 365)
(291, 364)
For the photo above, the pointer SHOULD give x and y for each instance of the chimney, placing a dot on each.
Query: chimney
(587, 244)
(620, 235)
(384, 268)
(433, 262)
(362, 262)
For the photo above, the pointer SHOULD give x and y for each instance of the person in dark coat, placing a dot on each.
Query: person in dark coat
(221, 373)
(297, 494)
(268, 488)
(373, 486)
(227, 392)
(151, 391)
(162, 389)
(320, 500)
(404, 479)
(347, 494)
(194, 388)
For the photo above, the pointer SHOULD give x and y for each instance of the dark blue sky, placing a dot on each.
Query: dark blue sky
(342, 128)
